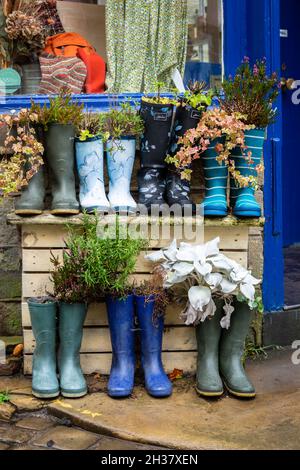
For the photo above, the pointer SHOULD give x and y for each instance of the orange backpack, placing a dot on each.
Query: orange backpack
(67, 45)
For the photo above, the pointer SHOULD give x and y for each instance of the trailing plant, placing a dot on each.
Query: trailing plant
(197, 96)
(228, 132)
(123, 122)
(62, 109)
(23, 151)
(251, 92)
(89, 127)
(157, 98)
(198, 275)
(153, 288)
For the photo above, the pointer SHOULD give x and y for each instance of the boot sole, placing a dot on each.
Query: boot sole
(247, 214)
(65, 211)
(209, 394)
(239, 394)
(73, 395)
(45, 395)
(215, 214)
(28, 212)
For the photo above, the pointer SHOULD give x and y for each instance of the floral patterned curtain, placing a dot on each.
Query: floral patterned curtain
(146, 41)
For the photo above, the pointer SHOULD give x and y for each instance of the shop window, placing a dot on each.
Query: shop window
(21, 74)
(204, 52)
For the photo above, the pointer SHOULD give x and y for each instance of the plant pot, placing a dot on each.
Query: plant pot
(60, 153)
(10, 81)
(90, 160)
(157, 135)
(43, 321)
(242, 200)
(71, 321)
(122, 334)
(31, 79)
(120, 162)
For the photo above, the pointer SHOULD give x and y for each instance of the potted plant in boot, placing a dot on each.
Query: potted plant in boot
(59, 121)
(250, 92)
(21, 165)
(89, 148)
(121, 128)
(151, 301)
(216, 134)
(109, 261)
(157, 114)
(218, 295)
(188, 114)
(43, 315)
(72, 295)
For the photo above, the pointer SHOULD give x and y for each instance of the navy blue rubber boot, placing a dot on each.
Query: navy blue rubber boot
(156, 381)
(121, 324)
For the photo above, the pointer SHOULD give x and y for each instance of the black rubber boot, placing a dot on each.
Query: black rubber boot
(154, 149)
(152, 187)
(178, 190)
(59, 143)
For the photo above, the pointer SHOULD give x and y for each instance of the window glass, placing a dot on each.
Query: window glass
(204, 54)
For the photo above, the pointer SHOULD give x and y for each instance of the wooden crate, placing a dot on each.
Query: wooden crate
(179, 345)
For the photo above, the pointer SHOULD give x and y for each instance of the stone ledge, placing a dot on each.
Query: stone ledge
(48, 219)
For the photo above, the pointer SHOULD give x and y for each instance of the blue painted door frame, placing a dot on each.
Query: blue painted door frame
(251, 28)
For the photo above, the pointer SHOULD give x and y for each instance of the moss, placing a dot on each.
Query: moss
(10, 319)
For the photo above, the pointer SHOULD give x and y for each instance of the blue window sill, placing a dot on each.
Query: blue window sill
(97, 103)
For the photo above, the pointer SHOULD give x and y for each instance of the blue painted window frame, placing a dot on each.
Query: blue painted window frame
(251, 27)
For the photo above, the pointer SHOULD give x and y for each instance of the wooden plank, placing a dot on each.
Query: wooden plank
(100, 363)
(39, 260)
(51, 236)
(97, 340)
(96, 315)
(39, 284)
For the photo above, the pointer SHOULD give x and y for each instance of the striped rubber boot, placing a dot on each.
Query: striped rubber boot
(216, 175)
(243, 200)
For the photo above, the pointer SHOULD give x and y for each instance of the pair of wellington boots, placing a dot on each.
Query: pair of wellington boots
(54, 373)
(242, 199)
(121, 318)
(58, 141)
(220, 354)
(159, 185)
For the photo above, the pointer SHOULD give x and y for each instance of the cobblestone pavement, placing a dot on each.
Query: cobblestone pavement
(38, 431)
(26, 425)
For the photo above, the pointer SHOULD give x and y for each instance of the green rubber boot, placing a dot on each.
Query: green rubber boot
(60, 151)
(32, 198)
(208, 334)
(71, 320)
(231, 351)
(44, 377)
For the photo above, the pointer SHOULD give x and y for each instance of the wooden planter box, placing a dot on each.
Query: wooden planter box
(46, 233)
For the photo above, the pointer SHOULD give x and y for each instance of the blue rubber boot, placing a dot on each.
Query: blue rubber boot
(89, 158)
(216, 175)
(71, 320)
(243, 199)
(156, 381)
(120, 162)
(44, 377)
(121, 324)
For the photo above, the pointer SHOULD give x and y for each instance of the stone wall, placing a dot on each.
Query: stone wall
(10, 274)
